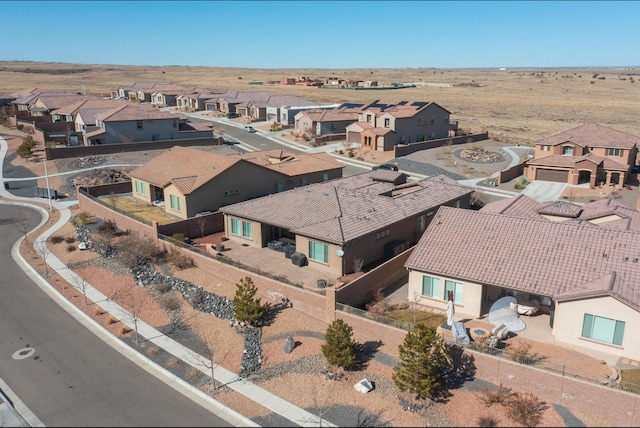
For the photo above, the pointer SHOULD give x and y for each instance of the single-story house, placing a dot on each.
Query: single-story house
(327, 121)
(191, 180)
(583, 275)
(362, 218)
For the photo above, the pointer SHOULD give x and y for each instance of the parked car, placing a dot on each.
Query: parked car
(232, 115)
(249, 129)
(387, 166)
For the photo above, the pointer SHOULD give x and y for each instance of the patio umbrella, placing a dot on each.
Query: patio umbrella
(450, 311)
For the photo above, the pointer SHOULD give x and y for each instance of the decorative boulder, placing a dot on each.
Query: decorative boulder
(363, 386)
(289, 345)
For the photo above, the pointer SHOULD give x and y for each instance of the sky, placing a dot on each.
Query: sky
(324, 34)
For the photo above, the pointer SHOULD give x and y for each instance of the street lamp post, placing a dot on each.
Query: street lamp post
(46, 177)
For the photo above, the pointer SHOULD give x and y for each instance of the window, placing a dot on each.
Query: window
(174, 202)
(303, 181)
(567, 150)
(155, 137)
(457, 204)
(141, 189)
(387, 122)
(603, 329)
(544, 148)
(431, 287)
(279, 186)
(422, 223)
(325, 176)
(457, 290)
(333, 126)
(139, 124)
(614, 152)
(368, 118)
(318, 252)
(241, 228)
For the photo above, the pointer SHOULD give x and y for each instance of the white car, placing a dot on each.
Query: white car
(249, 129)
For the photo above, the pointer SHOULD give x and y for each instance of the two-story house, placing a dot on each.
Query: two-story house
(382, 125)
(589, 153)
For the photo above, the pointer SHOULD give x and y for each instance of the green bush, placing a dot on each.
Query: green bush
(24, 151)
(19, 127)
(351, 154)
(82, 219)
(247, 308)
(521, 183)
(178, 237)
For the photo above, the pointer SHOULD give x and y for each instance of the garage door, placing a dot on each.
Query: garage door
(552, 175)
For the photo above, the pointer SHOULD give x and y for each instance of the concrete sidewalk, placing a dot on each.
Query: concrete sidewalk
(259, 395)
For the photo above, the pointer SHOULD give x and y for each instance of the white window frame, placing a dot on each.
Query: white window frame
(614, 152)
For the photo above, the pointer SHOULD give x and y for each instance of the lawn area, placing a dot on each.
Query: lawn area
(424, 317)
(138, 209)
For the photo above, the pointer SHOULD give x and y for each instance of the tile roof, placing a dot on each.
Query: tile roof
(568, 161)
(190, 168)
(563, 260)
(93, 103)
(607, 212)
(345, 209)
(134, 112)
(291, 164)
(592, 135)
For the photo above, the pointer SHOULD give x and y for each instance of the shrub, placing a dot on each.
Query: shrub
(519, 352)
(247, 308)
(56, 239)
(170, 303)
(152, 351)
(162, 288)
(134, 251)
(24, 151)
(487, 422)
(124, 330)
(107, 228)
(178, 237)
(173, 362)
(193, 373)
(525, 409)
(521, 183)
(179, 261)
(19, 127)
(378, 305)
(224, 238)
(495, 396)
(71, 248)
(111, 320)
(82, 219)
(98, 311)
(351, 154)
(69, 239)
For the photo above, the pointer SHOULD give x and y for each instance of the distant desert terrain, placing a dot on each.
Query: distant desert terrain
(514, 105)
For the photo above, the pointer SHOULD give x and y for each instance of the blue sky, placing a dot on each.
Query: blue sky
(330, 34)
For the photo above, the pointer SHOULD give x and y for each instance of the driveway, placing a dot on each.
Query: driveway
(544, 191)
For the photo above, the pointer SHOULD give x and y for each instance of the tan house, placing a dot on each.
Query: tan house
(364, 218)
(382, 125)
(190, 181)
(140, 91)
(589, 153)
(583, 275)
(324, 121)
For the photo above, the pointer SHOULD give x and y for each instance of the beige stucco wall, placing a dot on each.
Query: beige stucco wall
(256, 232)
(335, 261)
(569, 316)
(471, 296)
(146, 197)
(624, 158)
(171, 190)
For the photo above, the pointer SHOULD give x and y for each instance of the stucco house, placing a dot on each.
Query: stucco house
(366, 217)
(327, 121)
(140, 91)
(589, 153)
(382, 125)
(191, 180)
(137, 123)
(584, 276)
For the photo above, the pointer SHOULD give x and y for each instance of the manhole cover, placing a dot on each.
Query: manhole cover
(23, 353)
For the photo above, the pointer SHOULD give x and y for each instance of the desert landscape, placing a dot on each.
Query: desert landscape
(518, 106)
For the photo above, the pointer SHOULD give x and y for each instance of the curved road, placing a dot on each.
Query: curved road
(74, 378)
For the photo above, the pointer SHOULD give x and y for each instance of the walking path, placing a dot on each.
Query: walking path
(259, 395)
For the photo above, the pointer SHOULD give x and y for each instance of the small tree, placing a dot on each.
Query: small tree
(24, 151)
(339, 350)
(422, 360)
(202, 224)
(247, 307)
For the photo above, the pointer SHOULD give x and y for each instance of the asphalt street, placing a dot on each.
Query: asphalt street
(64, 373)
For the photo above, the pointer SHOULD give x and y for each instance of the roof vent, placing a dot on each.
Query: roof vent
(605, 255)
(626, 259)
(635, 260)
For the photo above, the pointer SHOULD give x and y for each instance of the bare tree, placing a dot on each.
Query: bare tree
(202, 223)
(358, 263)
(206, 358)
(416, 297)
(79, 281)
(40, 245)
(134, 300)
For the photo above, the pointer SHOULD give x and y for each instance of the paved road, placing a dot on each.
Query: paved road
(73, 378)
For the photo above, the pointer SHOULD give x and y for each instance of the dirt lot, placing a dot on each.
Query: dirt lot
(519, 105)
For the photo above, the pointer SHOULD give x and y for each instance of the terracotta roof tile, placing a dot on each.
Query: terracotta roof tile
(592, 135)
(345, 209)
(531, 255)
